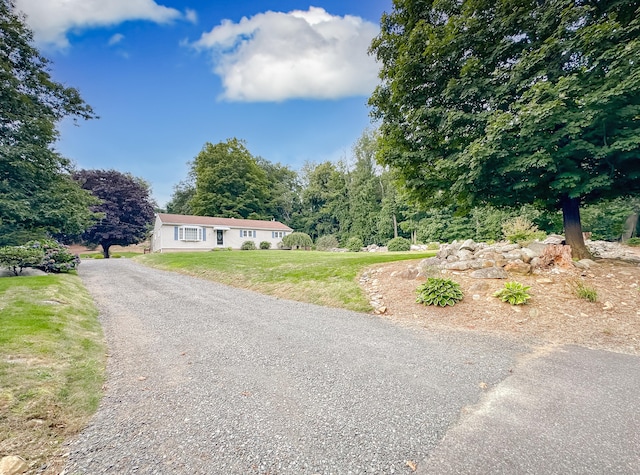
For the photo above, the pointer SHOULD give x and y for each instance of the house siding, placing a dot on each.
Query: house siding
(165, 234)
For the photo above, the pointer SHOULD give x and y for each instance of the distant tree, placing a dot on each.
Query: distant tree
(37, 195)
(325, 204)
(509, 103)
(126, 207)
(365, 192)
(229, 182)
(180, 201)
(283, 191)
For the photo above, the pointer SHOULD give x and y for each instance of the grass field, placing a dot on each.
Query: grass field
(324, 278)
(52, 359)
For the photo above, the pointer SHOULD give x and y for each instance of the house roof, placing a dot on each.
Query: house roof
(230, 222)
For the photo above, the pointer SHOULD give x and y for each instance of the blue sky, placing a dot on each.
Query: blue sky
(291, 78)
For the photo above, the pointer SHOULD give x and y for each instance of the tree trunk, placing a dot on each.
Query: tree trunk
(105, 250)
(573, 228)
(630, 227)
(395, 226)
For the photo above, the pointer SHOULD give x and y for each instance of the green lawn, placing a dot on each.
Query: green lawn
(52, 359)
(324, 278)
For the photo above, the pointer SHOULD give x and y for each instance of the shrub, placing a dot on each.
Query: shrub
(297, 241)
(439, 292)
(326, 243)
(634, 241)
(521, 230)
(583, 291)
(16, 258)
(57, 257)
(514, 292)
(433, 246)
(399, 244)
(248, 246)
(265, 245)
(354, 244)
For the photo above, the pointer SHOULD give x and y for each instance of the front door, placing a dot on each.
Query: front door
(220, 236)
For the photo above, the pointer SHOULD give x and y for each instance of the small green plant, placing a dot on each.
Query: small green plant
(634, 241)
(354, 244)
(297, 241)
(248, 246)
(439, 292)
(16, 258)
(326, 243)
(583, 291)
(521, 230)
(399, 244)
(433, 246)
(265, 245)
(514, 292)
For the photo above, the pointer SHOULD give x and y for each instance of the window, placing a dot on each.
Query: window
(189, 233)
(247, 233)
(277, 234)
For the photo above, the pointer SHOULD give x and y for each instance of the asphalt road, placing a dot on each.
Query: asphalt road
(206, 379)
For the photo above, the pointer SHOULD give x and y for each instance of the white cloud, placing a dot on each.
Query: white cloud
(191, 15)
(115, 39)
(275, 56)
(51, 20)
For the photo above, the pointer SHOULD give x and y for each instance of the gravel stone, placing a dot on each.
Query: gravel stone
(204, 378)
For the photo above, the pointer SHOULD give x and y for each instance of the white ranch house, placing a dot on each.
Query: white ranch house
(176, 232)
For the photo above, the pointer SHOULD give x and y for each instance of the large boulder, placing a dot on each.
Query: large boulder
(13, 465)
(518, 267)
(490, 273)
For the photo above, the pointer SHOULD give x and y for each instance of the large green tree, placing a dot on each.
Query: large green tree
(325, 201)
(365, 191)
(37, 195)
(229, 182)
(512, 101)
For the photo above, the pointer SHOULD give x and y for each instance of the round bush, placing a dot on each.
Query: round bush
(57, 257)
(326, 243)
(297, 241)
(265, 245)
(354, 244)
(399, 244)
(248, 246)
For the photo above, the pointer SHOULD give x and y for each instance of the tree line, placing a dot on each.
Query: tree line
(356, 197)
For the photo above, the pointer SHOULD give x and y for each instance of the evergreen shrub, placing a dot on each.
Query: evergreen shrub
(326, 243)
(399, 244)
(354, 244)
(248, 246)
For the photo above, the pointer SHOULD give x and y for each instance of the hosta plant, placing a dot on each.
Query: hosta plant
(439, 292)
(514, 292)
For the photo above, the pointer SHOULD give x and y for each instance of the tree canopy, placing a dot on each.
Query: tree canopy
(510, 102)
(37, 195)
(126, 208)
(228, 182)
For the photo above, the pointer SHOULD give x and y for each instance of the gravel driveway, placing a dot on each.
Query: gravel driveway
(207, 379)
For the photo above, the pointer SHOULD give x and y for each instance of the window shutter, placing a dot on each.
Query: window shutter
(241, 233)
(273, 234)
(175, 233)
(204, 234)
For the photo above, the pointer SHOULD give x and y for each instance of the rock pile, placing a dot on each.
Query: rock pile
(611, 250)
(497, 261)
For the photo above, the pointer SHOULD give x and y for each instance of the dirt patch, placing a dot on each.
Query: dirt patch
(554, 314)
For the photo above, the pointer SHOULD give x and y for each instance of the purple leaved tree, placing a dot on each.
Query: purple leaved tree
(126, 207)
